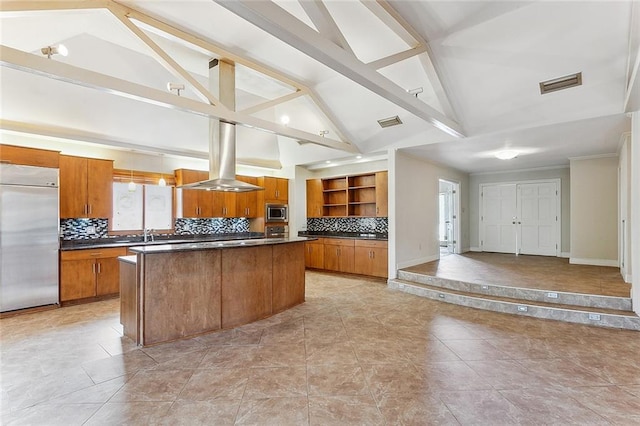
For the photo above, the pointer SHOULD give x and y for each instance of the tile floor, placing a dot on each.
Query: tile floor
(354, 353)
(537, 272)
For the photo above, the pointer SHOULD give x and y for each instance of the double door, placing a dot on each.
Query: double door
(520, 218)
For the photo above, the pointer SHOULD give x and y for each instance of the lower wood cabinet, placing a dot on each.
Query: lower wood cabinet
(364, 257)
(314, 254)
(370, 258)
(89, 273)
(338, 255)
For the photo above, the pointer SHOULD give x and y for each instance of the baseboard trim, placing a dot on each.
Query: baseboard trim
(628, 278)
(419, 261)
(565, 255)
(475, 249)
(593, 262)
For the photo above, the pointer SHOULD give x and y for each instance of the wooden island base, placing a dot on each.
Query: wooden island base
(186, 291)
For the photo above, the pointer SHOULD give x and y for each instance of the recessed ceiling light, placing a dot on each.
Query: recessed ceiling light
(284, 119)
(358, 157)
(328, 162)
(506, 154)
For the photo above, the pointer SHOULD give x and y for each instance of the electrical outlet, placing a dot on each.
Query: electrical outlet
(91, 229)
(594, 317)
(485, 287)
(552, 295)
(522, 308)
(441, 296)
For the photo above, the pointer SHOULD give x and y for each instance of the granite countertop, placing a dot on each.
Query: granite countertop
(175, 247)
(351, 235)
(137, 240)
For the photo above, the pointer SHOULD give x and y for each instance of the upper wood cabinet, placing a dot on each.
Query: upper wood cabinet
(314, 198)
(195, 202)
(86, 187)
(275, 189)
(382, 194)
(29, 156)
(247, 202)
(364, 195)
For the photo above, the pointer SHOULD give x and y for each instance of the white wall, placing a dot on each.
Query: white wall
(475, 180)
(414, 234)
(624, 213)
(594, 211)
(635, 210)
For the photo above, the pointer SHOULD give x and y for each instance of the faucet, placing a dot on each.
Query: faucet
(148, 232)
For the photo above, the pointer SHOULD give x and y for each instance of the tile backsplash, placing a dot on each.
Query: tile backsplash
(379, 225)
(194, 226)
(83, 229)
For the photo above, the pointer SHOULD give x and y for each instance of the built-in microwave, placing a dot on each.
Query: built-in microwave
(277, 212)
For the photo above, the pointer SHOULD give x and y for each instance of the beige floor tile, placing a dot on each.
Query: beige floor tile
(216, 383)
(611, 402)
(336, 379)
(119, 365)
(129, 413)
(484, 407)
(330, 353)
(275, 382)
(201, 413)
(416, 410)
(475, 350)
(285, 355)
(51, 414)
(152, 385)
(274, 412)
(344, 411)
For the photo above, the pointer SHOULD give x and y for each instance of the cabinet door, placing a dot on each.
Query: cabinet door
(77, 279)
(73, 187)
(195, 202)
(282, 190)
(275, 189)
(247, 202)
(314, 255)
(99, 187)
(370, 261)
(339, 258)
(108, 276)
(314, 198)
(382, 194)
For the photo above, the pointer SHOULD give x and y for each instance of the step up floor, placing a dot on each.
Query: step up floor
(542, 294)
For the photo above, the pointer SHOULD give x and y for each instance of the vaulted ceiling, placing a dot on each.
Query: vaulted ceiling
(463, 77)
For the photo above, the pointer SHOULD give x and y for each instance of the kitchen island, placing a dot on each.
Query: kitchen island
(173, 291)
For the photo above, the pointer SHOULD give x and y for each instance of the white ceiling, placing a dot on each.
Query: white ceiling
(490, 56)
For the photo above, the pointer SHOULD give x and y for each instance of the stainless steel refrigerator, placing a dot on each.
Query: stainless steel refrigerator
(29, 240)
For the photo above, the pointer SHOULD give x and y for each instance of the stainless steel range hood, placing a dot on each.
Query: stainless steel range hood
(222, 136)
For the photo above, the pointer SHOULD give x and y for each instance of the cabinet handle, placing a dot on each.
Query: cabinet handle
(90, 208)
(93, 268)
(377, 210)
(197, 210)
(99, 268)
(373, 254)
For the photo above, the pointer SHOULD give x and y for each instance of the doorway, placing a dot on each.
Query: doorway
(521, 217)
(448, 221)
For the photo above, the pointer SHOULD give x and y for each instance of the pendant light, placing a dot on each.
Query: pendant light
(161, 181)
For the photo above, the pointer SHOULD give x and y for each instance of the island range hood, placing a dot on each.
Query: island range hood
(222, 136)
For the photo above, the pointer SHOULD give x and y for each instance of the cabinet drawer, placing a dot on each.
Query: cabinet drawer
(316, 241)
(93, 253)
(371, 243)
(338, 242)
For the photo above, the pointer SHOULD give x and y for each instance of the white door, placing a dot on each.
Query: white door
(537, 218)
(498, 218)
(451, 223)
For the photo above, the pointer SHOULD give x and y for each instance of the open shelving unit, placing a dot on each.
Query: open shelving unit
(350, 196)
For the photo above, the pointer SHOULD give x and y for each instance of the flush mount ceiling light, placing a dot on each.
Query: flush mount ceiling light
(60, 49)
(506, 154)
(284, 119)
(560, 83)
(388, 122)
(175, 86)
(323, 133)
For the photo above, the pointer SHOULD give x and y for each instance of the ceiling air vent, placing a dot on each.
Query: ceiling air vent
(388, 122)
(561, 83)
